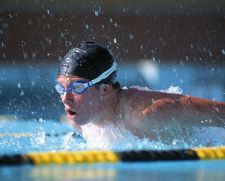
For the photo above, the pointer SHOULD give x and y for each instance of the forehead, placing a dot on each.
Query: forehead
(69, 78)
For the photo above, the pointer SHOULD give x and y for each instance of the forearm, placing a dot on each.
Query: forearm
(203, 111)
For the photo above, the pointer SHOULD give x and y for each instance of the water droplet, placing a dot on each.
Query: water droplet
(33, 55)
(96, 13)
(223, 51)
(62, 34)
(115, 24)
(131, 36)
(22, 93)
(41, 120)
(124, 10)
(3, 45)
(33, 83)
(25, 55)
(210, 53)
(19, 85)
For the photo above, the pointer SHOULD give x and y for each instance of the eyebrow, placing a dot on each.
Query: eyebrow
(69, 79)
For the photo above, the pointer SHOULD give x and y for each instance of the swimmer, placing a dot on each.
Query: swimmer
(88, 88)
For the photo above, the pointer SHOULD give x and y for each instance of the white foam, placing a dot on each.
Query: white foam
(173, 89)
(141, 88)
(112, 137)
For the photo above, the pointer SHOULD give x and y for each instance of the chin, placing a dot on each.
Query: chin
(80, 122)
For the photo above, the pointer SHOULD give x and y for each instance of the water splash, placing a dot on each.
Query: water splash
(116, 138)
(173, 89)
(32, 136)
(112, 137)
(208, 136)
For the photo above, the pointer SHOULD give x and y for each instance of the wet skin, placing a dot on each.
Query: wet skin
(138, 110)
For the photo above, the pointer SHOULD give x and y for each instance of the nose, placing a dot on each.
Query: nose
(67, 98)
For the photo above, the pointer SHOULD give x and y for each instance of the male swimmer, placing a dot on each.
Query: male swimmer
(90, 94)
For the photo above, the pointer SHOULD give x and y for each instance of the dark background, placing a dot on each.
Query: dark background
(184, 39)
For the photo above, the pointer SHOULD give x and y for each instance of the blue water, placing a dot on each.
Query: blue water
(40, 135)
(22, 136)
(186, 170)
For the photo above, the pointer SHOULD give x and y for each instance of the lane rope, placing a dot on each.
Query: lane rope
(90, 157)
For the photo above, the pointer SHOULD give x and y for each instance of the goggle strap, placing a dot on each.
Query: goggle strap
(104, 74)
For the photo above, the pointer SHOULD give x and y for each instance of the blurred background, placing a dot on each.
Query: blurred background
(165, 45)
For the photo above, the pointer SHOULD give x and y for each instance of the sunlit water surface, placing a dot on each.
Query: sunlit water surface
(46, 135)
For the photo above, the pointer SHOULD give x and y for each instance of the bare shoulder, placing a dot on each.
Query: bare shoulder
(148, 96)
(160, 106)
(141, 103)
(142, 96)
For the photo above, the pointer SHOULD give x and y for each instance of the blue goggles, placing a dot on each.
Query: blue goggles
(81, 86)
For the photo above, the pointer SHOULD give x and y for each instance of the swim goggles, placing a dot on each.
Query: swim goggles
(81, 86)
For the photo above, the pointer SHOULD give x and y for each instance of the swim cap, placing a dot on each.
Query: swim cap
(88, 60)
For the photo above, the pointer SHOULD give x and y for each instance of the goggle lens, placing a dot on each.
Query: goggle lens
(77, 87)
(59, 88)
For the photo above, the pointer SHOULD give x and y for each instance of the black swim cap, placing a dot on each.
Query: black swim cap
(88, 60)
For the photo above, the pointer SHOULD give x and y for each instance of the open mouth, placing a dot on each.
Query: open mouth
(70, 112)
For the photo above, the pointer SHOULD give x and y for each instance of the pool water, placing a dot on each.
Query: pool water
(21, 137)
(185, 170)
(32, 136)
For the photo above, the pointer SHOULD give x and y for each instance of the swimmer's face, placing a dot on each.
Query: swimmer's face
(79, 107)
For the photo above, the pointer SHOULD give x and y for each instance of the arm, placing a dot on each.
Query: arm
(187, 110)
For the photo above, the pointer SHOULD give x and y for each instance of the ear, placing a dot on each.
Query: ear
(104, 89)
